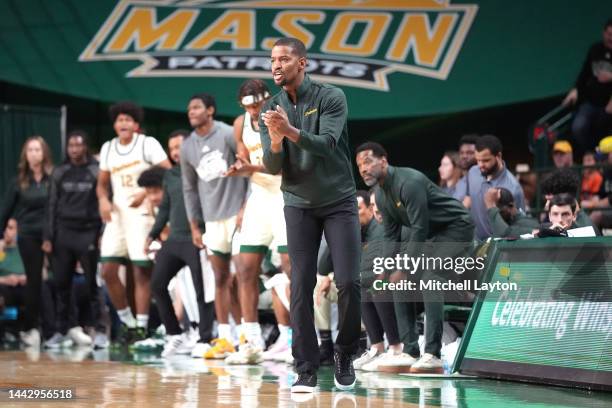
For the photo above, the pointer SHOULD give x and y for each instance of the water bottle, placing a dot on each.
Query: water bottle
(290, 337)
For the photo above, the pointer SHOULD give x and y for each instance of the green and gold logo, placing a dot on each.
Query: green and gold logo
(357, 43)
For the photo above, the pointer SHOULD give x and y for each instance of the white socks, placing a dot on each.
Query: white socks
(284, 332)
(142, 320)
(225, 331)
(126, 316)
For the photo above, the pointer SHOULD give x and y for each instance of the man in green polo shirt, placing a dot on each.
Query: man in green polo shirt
(406, 197)
(304, 136)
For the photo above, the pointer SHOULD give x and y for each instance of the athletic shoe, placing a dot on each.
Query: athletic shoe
(100, 341)
(122, 339)
(79, 337)
(344, 374)
(199, 349)
(136, 334)
(305, 383)
(176, 344)
(395, 363)
(287, 357)
(57, 341)
(277, 351)
(247, 353)
(192, 336)
(365, 358)
(31, 338)
(428, 363)
(221, 348)
(150, 345)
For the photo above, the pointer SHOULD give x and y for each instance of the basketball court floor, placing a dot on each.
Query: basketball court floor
(110, 379)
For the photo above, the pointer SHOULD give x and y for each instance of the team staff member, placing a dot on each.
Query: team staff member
(71, 234)
(26, 199)
(304, 136)
(406, 197)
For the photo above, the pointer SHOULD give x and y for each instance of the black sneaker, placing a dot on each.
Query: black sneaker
(136, 334)
(305, 383)
(344, 374)
(122, 339)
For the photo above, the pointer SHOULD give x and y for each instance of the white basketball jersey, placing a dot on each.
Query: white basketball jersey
(252, 141)
(126, 163)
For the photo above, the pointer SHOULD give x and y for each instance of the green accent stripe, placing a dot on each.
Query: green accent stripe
(282, 249)
(140, 262)
(222, 254)
(114, 259)
(253, 249)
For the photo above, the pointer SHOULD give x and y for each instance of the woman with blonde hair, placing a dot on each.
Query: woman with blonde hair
(450, 171)
(25, 200)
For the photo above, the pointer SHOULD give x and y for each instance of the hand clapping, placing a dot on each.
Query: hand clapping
(277, 123)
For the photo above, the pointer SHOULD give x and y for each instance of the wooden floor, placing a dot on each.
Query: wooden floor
(147, 381)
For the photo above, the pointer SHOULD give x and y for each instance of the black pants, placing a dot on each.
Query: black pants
(379, 318)
(32, 256)
(173, 256)
(15, 296)
(70, 246)
(462, 231)
(340, 223)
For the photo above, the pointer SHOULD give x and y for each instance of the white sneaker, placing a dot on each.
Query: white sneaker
(428, 363)
(100, 341)
(192, 337)
(277, 351)
(176, 344)
(79, 337)
(199, 350)
(286, 357)
(365, 358)
(31, 338)
(247, 353)
(148, 345)
(57, 341)
(395, 363)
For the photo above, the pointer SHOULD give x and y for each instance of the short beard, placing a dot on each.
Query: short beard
(490, 171)
(371, 183)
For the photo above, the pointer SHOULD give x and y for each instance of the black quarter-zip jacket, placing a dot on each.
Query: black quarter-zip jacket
(72, 201)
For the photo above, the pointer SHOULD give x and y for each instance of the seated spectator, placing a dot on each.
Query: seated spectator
(562, 154)
(591, 177)
(592, 92)
(565, 181)
(505, 219)
(489, 172)
(12, 273)
(449, 171)
(562, 215)
(602, 214)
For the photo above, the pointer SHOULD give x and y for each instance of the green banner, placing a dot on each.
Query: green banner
(393, 58)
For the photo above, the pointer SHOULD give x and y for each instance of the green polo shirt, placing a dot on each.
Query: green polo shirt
(317, 170)
(408, 198)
